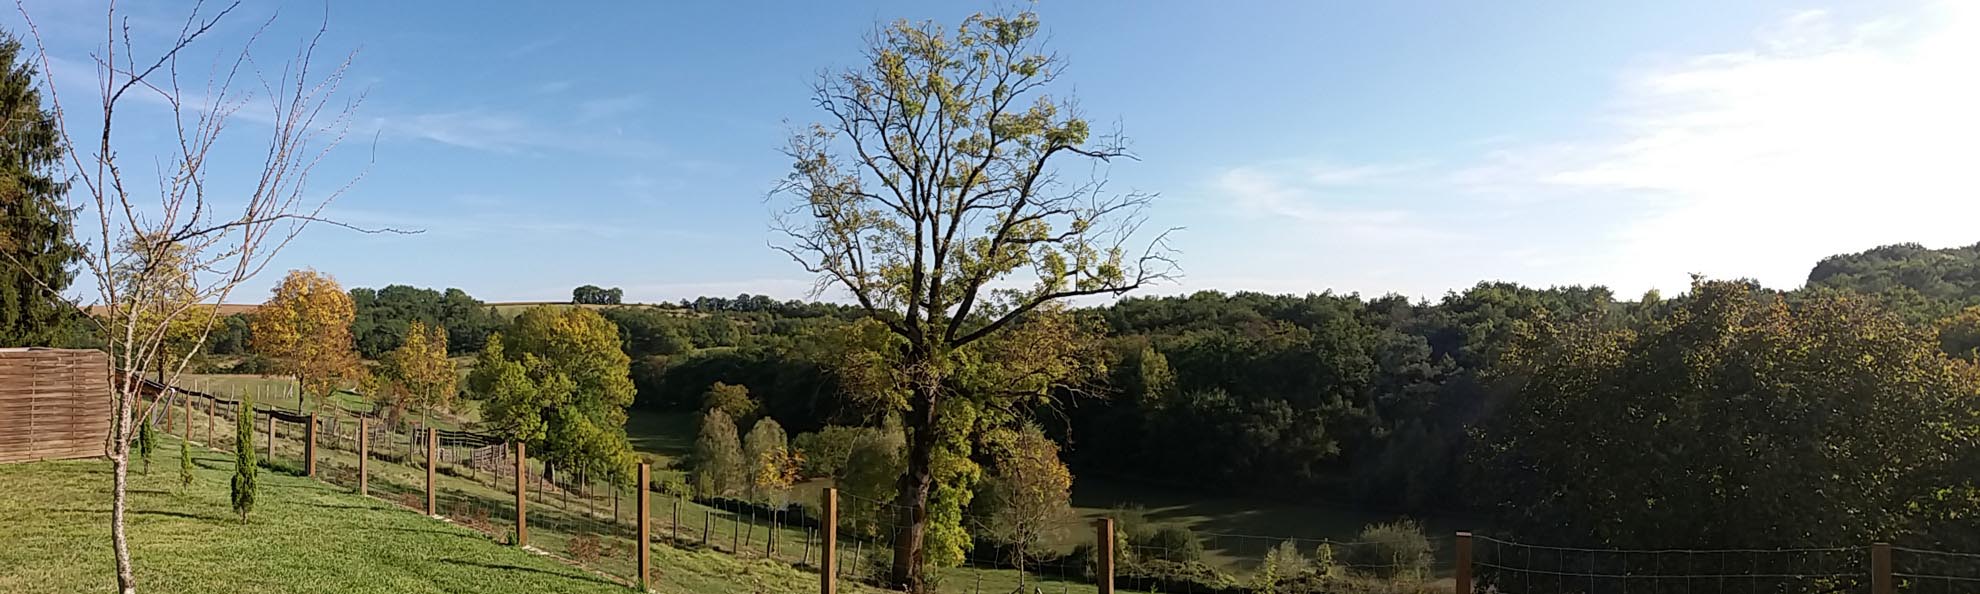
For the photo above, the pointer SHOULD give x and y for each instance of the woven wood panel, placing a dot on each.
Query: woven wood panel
(54, 404)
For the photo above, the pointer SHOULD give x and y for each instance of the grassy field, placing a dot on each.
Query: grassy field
(305, 536)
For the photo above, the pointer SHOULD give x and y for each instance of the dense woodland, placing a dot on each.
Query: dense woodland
(1383, 402)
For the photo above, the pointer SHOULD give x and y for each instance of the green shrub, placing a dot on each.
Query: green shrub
(673, 486)
(1286, 560)
(244, 465)
(146, 441)
(1172, 543)
(1391, 550)
(185, 464)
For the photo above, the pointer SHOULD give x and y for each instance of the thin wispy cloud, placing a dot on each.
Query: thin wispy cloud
(1839, 136)
(591, 110)
(535, 46)
(1822, 136)
(507, 132)
(1345, 201)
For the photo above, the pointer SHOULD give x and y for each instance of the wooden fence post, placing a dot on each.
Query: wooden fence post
(645, 560)
(271, 438)
(432, 467)
(189, 407)
(309, 448)
(522, 495)
(1103, 574)
(1462, 580)
(211, 405)
(828, 543)
(364, 456)
(1880, 568)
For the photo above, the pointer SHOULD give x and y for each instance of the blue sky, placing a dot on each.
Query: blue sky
(1410, 147)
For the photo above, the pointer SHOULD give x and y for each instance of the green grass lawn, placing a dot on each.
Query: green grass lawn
(305, 536)
(1237, 531)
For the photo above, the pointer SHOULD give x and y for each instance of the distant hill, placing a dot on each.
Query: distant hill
(226, 309)
(511, 309)
(1951, 274)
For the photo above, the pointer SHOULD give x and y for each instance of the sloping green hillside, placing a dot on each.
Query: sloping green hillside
(306, 536)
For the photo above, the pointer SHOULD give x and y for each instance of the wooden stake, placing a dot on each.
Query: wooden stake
(522, 495)
(364, 457)
(828, 543)
(309, 448)
(432, 468)
(1880, 568)
(1104, 572)
(645, 560)
(1462, 581)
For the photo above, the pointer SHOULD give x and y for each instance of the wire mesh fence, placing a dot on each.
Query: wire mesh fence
(473, 480)
(1934, 572)
(1508, 566)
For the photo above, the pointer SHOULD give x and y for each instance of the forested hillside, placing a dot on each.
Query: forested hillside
(1920, 283)
(1386, 402)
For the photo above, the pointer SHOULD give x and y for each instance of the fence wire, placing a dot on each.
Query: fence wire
(1934, 572)
(1509, 566)
(593, 520)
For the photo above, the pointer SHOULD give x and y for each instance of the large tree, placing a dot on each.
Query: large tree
(767, 458)
(1030, 492)
(935, 176)
(559, 382)
(37, 255)
(306, 328)
(421, 375)
(718, 469)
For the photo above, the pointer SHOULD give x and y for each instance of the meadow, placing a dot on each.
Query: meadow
(304, 535)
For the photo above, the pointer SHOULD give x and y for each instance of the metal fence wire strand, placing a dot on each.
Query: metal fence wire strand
(1508, 565)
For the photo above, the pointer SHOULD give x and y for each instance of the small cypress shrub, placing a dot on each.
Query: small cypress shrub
(185, 464)
(146, 441)
(244, 464)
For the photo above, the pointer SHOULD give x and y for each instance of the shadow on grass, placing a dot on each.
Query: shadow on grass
(136, 512)
(342, 506)
(476, 536)
(573, 574)
(178, 514)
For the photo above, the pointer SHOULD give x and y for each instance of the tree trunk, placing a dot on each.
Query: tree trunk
(120, 465)
(911, 525)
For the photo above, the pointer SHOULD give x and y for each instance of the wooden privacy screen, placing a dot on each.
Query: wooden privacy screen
(54, 404)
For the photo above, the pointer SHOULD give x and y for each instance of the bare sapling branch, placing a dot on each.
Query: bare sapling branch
(164, 253)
